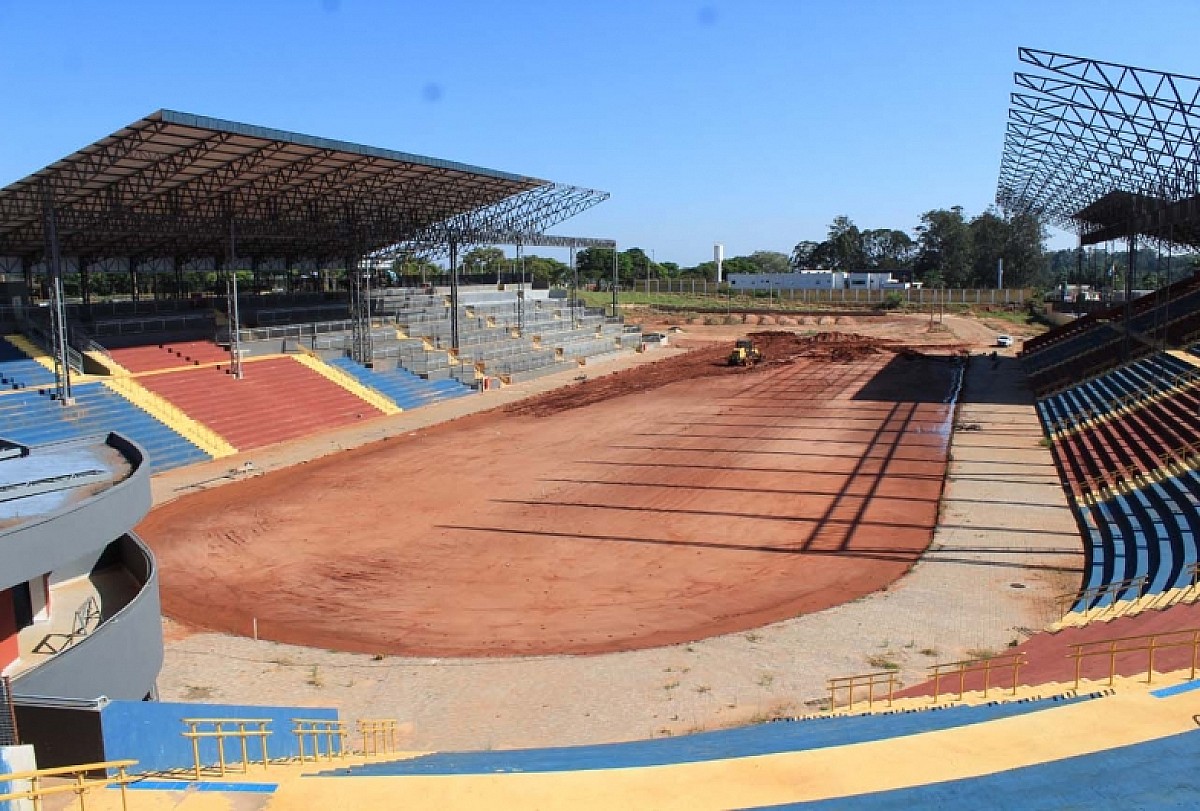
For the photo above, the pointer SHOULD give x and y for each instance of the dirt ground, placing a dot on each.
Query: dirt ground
(685, 500)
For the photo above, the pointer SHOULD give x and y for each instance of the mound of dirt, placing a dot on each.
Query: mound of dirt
(707, 361)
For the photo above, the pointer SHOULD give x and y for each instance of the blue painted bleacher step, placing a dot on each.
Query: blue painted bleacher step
(761, 739)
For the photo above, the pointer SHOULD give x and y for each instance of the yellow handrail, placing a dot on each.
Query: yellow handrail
(1114, 589)
(1114, 646)
(220, 733)
(868, 680)
(379, 734)
(316, 728)
(80, 786)
(970, 666)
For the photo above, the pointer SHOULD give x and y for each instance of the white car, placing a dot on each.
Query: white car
(1004, 340)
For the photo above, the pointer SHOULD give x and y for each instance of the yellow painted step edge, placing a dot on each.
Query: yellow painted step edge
(1186, 357)
(115, 369)
(31, 349)
(162, 409)
(340, 378)
(43, 358)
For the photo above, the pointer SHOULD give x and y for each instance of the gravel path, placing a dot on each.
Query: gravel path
(988, 579)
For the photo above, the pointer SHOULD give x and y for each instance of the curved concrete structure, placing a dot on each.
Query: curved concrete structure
(79, 604)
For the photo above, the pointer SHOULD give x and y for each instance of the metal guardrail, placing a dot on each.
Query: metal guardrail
(314, 730)
(870, 681)
(81, 626)
(1116, 589)
(960, 670)
(1144, 643)
(379, 735)
(243, 729)
(78, 783)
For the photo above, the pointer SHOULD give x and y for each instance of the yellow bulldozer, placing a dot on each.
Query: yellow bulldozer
(745, 353)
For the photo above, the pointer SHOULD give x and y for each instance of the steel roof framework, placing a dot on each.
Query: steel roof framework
(1105, 150)
(175, 184)
(181, 186)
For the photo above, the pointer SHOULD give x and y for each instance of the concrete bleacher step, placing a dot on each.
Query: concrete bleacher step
(31, 418)
(278, 399)
(800, 735)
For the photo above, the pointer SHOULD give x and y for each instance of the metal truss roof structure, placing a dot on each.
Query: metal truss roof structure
(184, 186)
(1105, 150)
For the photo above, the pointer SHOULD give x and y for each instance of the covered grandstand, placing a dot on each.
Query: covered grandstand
(871, 455)
(175, 190)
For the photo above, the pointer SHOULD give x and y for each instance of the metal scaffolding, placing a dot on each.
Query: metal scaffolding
(1105, 150)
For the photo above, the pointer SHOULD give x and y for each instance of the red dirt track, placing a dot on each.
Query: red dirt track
(719, 502)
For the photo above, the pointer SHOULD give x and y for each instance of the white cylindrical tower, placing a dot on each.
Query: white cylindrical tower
(718, 257)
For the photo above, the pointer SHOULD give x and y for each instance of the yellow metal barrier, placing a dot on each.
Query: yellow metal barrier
(379, 735)
(1116, 589)
(220, 730)
(870, 681)
(1148, 643)
(1013, 661)
(316, 728)
(80, 784)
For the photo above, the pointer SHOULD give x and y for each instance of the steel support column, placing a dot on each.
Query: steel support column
(231, 297)
(454, 294)
(58, 310)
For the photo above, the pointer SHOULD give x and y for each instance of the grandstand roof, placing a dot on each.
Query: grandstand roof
(1103, 149)
(178, 184)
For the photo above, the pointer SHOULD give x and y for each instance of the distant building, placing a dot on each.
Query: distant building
(817, 280)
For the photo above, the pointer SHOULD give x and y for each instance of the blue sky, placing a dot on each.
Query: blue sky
(752, 123)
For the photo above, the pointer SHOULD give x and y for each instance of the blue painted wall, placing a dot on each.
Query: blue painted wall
(151, 732)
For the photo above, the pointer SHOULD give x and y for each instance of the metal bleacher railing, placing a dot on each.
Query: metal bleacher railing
(1116, 589)
(1149, 644)
(868, 681)
(222, 729)
(75, 780)
(1012, 662)
(379, 735)
(86, 617)
(317, 730)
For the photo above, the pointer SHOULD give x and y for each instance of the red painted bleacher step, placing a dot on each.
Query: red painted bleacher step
(1048, 660)
(277, 400)
(166, 356)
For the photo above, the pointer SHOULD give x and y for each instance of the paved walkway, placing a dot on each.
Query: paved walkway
(1007, 544)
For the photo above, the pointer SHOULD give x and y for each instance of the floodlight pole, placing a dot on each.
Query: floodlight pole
(574, 286)
(58, 310)
(231, 293)
(454, 294)
(521, 290)
(614, 281)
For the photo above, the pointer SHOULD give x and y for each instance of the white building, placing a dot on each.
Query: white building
(815, 280)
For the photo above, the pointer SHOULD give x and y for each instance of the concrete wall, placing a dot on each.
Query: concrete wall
(64, 538)
(121, 658)
(151, 732)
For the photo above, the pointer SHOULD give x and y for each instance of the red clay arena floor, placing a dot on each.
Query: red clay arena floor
(582, 521)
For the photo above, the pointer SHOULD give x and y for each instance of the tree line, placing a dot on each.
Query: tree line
(946, 247)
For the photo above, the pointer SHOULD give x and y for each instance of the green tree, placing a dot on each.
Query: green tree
(804, 255)
(483, 260)
(770, 262)
(944, 247)
(843, 248)
(887, 249)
